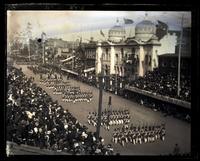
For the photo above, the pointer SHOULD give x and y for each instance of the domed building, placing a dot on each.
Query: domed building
(145, 30)
(117, 33)
(122, 58)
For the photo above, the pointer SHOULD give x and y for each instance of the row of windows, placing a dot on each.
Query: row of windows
(91, 54)
(145, 29)
(117, 32)
(122, 50)
(147, 59)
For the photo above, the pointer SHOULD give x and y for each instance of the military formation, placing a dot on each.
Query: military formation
(125, 132)
(69, 93)
(138, 134)
(110, 118)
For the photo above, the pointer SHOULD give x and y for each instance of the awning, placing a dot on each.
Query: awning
(89, 70)
(69, 71)
(67, 59)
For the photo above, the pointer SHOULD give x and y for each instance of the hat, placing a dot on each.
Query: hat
(48, 132)
(76, 145)
(94, 139)
(98, 150)
(36, 129)
(65, 126)
(37, 123)
(40, 130)
(54, 129)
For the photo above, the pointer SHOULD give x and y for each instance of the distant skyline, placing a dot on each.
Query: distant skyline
(69, 25)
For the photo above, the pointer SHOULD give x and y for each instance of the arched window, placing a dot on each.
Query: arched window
(146, 59)
(117, 70)
(149, 59)
(106, 53)
(116, 55)
(133, 50)
(156, 52)
(126, 56)
(122, 52)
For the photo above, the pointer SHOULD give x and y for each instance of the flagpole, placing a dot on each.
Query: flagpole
(29, 49)
(130, 32)
(179, 56)
(128, 21)
(43, 50)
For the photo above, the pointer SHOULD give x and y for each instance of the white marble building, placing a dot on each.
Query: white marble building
(133, 56)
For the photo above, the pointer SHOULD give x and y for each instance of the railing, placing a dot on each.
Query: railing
(14, 149)
(160, 97)
(69, 71)
(25, 63)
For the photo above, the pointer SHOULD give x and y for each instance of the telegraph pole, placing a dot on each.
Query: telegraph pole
(100, 100)
(179, 57)
(43, 51)
(43, 48)
(29, 37)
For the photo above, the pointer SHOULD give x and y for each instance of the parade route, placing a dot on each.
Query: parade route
(177, 131)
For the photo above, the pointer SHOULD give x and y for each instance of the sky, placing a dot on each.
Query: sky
(70, 25)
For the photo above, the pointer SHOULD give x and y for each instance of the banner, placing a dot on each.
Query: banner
(128, 21)
(101, 32)
(161, 29)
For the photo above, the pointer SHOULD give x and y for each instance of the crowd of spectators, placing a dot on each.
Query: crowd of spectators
(167, 109)
(138, 134)
(165, 83)
(110, 118)
(33, 118)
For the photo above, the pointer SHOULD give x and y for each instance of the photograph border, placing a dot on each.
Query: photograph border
(121, 7)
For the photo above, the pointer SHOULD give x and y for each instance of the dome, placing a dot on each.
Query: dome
(116, 34)
(145, 30)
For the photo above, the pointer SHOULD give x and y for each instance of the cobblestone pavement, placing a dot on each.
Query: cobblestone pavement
(177, 131)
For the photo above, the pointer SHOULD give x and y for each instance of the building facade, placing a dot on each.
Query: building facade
(124, 59)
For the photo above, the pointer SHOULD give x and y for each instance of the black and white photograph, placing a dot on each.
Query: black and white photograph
(94, 82)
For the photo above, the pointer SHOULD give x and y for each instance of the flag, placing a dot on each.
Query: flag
(161, 29)
(128, 21)
(101, 32)
(43, 34)
(162, 25)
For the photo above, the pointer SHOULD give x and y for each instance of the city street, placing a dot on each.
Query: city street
(177, 131)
